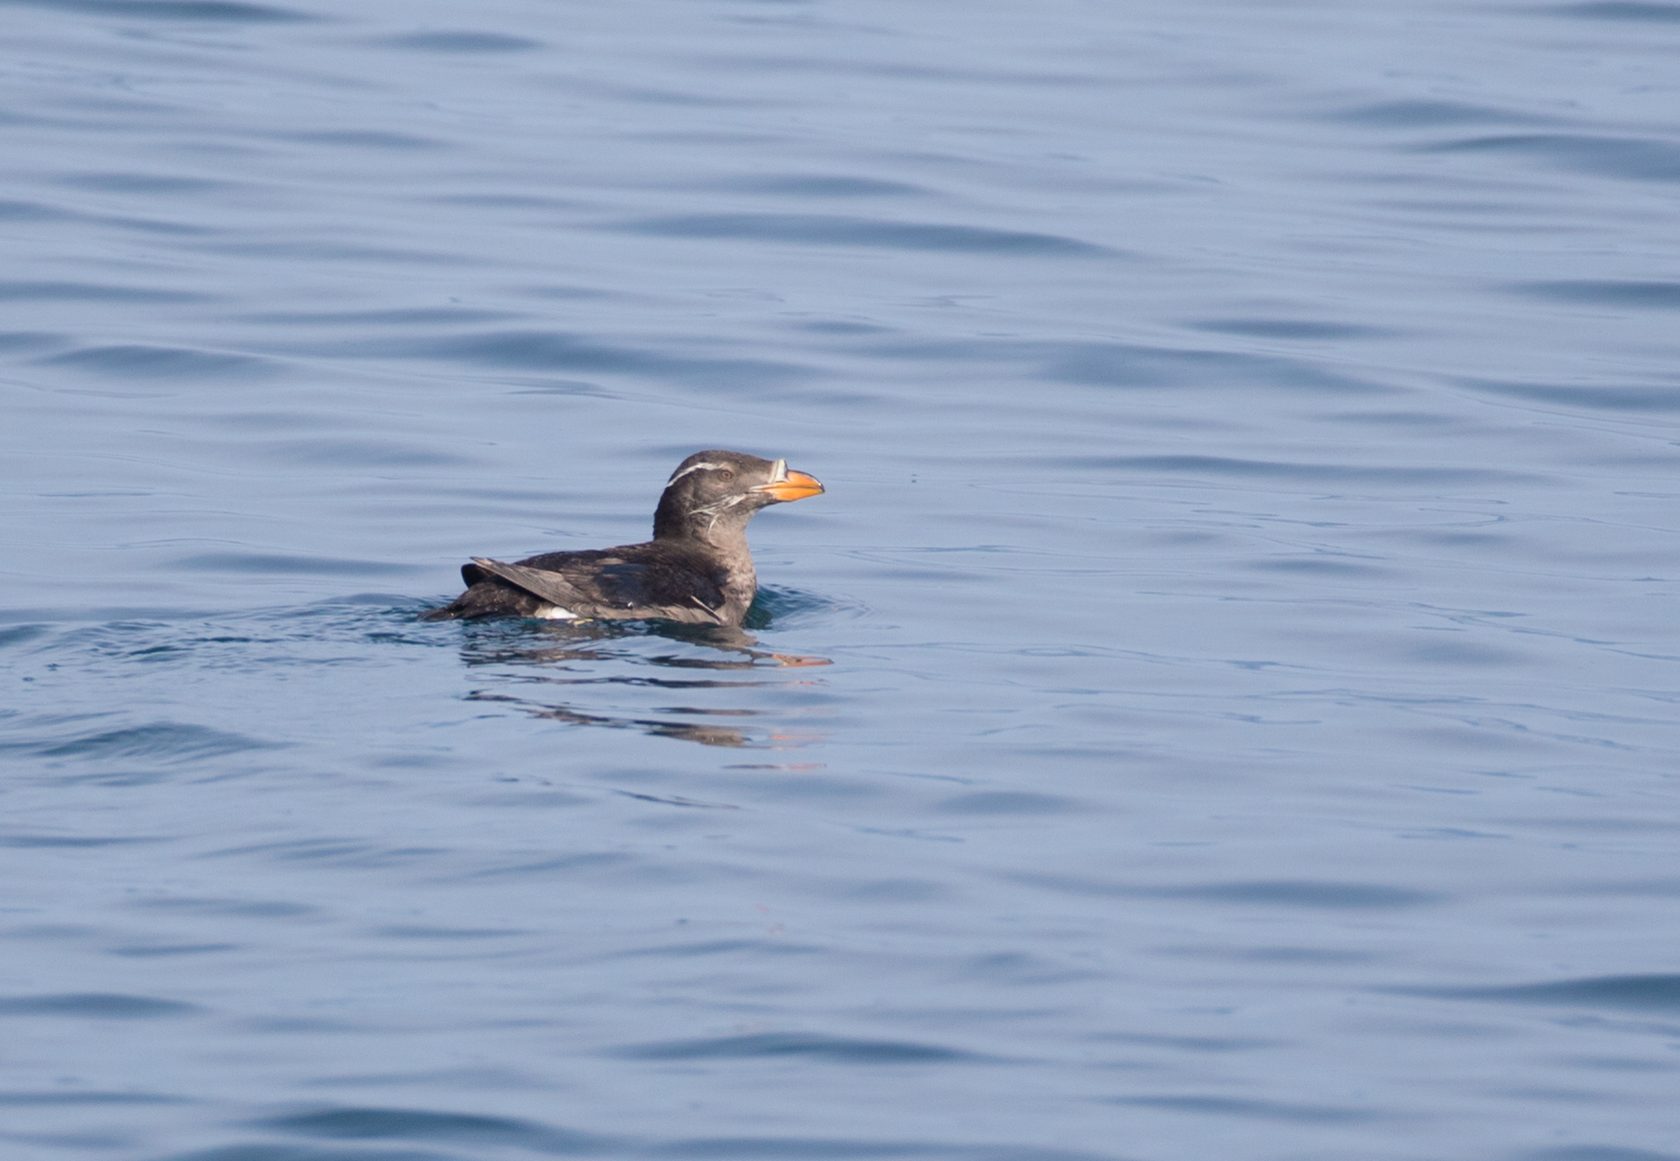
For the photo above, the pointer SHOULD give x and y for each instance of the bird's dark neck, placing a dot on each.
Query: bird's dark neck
(718, 532)
(670, 522)
(719, 538)
(722, 543)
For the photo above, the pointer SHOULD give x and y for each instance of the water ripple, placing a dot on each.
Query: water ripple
(26, 1097)
(1301, 330)
(95, 1005)
(1252, 462)
(819, 185)
(1634, 158)
(68, 291)
(557, 350)
(1594, 1153)
(803, 1148)
(150, 361)
(1137, 365)
(461, 41)
(834, 1049)
(1231, 467)
(1256, 1109)
(1619, 10)
(1314, 894)
(1417, 113)
(387, 1124)
(273, 563)
(1647, 294)
(1594, 396)
(1644, 993)
(173, 740)
(844, 230)
(217, 11)
(293, 1152)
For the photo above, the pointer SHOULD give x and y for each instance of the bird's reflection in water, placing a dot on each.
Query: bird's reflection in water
(556, 655)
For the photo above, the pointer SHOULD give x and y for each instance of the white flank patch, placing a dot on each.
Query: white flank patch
(555, 613)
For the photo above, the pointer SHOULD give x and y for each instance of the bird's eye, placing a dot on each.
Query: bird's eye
(727, 474)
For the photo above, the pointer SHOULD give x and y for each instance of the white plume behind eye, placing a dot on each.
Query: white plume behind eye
(704, 465)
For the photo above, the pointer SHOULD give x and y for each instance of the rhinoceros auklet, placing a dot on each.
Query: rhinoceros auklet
(696, 569)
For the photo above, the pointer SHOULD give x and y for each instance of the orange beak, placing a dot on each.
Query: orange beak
(788, 485)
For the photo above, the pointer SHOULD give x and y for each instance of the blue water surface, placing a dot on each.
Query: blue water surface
(1227, 704)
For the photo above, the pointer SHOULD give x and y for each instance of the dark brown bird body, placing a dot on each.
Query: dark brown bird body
(697, 569)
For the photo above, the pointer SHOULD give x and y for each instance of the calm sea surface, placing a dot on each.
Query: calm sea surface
(1227, 705)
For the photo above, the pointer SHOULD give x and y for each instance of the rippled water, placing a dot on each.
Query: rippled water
(1225, 706)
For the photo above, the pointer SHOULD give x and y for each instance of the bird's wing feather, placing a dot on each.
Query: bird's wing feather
(615, 590)
(552, 587)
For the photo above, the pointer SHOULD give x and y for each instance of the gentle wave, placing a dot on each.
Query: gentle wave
(365, 1123)
(95, 1006)
(843, 230)
(833, 1049)
(1641, 993)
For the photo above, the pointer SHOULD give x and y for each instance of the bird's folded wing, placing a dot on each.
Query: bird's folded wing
(585, 596)
(552, 587)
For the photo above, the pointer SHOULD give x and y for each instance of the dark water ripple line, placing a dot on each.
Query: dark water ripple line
(1594, 1153)
(172, 186)
(268, 1151)
(1618, 10)
(1318, 473)
(12, 209)
(1298, 330)
(762, 1148)
(1650, 294)
(1592, 155)
(220, 11)
(359, 321)
(152, 361)
(804, 1148)
(21, 341)
(1655, 992)
(95, 1005)
(552, 350)
(1656, 397)
(170, 950)
(45, 841)
(1418, 113)
(369, 1123)
(818, 185)
(160, 740)
(845, 230)
(360, 140)
(18, 210)
(1134, 365)
(336, 248)
(274, 563)
(23, 634)
(62, 290)
(311, 635)
(330, 851)
(48, 1097)
(456, 41)
(728, 948)
(1258, 1109)
(236, 908)
(1315, 894)
(812, 1046)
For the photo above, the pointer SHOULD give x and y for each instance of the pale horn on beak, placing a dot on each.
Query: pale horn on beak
(786, 484)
